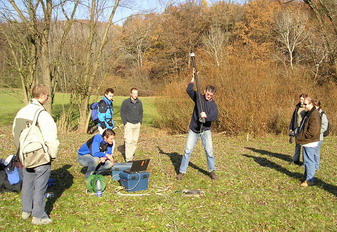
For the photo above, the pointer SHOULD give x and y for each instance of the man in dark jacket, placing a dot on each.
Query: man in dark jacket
(308, 137)
(132, 117)
(295, 123)
(200, 129)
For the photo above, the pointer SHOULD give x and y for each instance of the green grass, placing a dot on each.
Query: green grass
(11, 101)
(257, 189)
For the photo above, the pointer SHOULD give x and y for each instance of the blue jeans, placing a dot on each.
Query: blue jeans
(192, 138)
(34, 187)
(297, 154)
(309, 162)
(92, 162)
(318, 154)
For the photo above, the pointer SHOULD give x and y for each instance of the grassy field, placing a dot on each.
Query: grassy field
(257, 189)
(11, 101)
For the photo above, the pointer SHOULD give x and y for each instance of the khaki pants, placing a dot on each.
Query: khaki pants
(131, 135)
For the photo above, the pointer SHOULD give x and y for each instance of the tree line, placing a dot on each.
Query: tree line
(255, 54)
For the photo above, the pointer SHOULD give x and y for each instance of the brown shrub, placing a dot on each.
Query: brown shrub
(253, 96)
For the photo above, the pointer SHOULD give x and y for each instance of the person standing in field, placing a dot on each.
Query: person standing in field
(295, 123)
(309, 137)
(198, 129)
(324, 127)
(132, 117)
(35, 179)
(105, 111)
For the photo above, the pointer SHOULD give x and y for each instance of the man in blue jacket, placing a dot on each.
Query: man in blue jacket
(105, 111)
(98, 149)
(200, 129)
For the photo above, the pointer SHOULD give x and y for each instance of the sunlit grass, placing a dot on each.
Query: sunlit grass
(11, 101)
(257, 189)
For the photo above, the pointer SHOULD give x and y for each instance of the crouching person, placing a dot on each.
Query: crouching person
(98, 150)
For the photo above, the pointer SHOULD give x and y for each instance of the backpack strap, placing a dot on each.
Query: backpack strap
(37, 113)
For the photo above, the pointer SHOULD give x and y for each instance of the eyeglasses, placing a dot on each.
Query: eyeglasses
(305, 104)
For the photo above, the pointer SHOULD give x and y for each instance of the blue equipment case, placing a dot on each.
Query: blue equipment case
(134, 181)
(118, 168)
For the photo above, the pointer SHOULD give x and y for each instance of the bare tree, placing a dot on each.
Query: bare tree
(326, 15)
(94, 50)
(318, 53)
(290, 29)
(22, 55)
(214, 42)
(36, 18)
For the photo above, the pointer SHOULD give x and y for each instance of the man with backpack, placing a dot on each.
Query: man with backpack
(324, 131)
(102, 112)
(35, 178)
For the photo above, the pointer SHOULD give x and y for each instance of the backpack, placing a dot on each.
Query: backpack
(327, 131)
(33, 151)
(94, 112)
(10, 174)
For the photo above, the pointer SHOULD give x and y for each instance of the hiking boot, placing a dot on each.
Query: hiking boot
(41, 221)
(212, 175)
(25, 215)
(307, 183)
(180, 176)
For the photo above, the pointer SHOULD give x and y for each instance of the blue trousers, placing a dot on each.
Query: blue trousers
(309, 162)
(192, 138)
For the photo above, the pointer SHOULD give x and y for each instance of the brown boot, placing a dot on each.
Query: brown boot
(180, 176)
(212, 175)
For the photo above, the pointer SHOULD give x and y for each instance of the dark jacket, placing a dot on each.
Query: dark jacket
(293, 122)
(310, 128)
(209, 107)
(132, 112)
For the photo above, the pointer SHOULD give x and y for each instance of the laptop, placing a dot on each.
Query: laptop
(138, 166)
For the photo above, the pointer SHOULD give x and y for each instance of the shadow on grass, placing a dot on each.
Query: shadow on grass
(121, 149)
(273, 154)
(270, 164)
(64, 180)
(176, 160)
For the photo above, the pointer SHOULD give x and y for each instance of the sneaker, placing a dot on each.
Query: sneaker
(212, 175)
(25, 215)
(307, 183)
(180, 176)
(41, 221)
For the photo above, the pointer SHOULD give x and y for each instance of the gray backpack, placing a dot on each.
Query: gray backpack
(33, 151)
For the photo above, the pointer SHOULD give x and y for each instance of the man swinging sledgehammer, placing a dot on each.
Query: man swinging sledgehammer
(204, 113)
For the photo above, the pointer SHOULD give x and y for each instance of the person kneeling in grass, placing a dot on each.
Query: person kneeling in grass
(98, 150)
